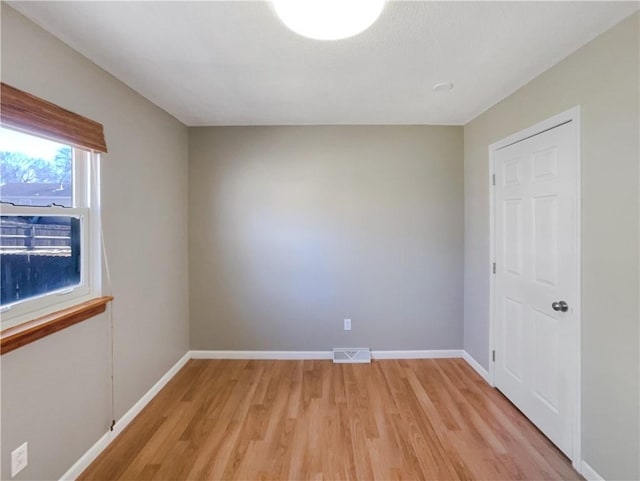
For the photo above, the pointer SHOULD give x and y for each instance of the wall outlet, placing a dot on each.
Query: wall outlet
(18, 459)
(347, 324)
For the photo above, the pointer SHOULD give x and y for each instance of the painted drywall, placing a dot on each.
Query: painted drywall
(55, 392)
(293, 229)
(603, 78)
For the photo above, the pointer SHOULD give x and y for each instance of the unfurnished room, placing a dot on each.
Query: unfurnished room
(319, 240)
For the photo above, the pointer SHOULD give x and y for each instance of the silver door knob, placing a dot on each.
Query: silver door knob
(560, 306)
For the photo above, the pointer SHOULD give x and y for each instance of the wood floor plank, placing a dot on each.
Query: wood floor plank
(315, 420)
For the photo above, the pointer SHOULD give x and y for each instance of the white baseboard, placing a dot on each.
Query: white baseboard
(94, 451)
(319, 355)
(432, 354)
(150, 394)
(476, 365)
(275, 355)
(87, 458)
(589, 473)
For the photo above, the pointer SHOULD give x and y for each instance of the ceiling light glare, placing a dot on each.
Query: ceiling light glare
(328, 19)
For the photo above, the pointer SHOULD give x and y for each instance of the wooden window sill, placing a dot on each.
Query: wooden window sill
(28, 332)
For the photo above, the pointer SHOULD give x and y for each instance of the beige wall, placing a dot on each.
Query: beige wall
(55, 392)
(603, 78)
(293, 229)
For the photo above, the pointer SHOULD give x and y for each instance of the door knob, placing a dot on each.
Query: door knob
(560, 306)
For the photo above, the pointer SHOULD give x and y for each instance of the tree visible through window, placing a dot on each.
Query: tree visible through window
(34, 171)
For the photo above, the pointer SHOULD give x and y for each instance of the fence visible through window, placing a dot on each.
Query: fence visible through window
(38, 255)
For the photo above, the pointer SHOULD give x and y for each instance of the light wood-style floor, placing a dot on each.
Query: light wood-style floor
(299, 420)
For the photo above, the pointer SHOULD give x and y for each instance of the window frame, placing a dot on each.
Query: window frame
(86, 198)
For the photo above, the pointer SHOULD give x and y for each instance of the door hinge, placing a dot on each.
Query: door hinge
(493, 356)
(494, 267)
(493, 179)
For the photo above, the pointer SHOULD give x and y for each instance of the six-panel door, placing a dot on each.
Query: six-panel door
(536, 263)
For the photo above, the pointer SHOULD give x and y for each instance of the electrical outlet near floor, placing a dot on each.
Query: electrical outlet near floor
(18, 459)
(347, 324)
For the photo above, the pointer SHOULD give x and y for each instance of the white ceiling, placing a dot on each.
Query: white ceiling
(235, 63)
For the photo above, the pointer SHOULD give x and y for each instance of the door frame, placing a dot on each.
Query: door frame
(572, 118)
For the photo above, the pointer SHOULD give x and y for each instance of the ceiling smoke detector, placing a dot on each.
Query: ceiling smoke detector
(443, 86)
(328, 19)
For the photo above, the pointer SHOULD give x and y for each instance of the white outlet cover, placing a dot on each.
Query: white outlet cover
(347, 324)
(18, 459)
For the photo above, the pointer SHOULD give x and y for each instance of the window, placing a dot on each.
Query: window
(50, 262)
(48, 226)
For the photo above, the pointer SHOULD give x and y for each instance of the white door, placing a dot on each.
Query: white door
(535, 279)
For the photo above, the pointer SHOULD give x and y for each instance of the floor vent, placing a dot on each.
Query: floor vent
(352, 355)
